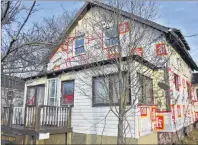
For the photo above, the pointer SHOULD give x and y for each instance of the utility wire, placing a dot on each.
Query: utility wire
(191, 35)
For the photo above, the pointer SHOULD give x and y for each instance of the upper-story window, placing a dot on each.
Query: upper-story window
(52, 92)
(79, 45)
(146, 90)
(176, 82)
(111, 37)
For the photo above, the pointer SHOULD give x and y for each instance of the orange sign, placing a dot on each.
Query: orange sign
(160, 122)
(161, 49)
(123, 27)
(178, 111)
(143, 111)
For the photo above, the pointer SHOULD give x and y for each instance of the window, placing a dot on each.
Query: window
(176, 82)
(68, 93)
(197, 93)
(111, 37)
(189, 90)
(52, 89)
(146, 90)
(106, 89)
(35, 95)
(79, 45)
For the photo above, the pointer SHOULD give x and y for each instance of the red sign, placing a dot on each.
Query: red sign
(173, 112)
(178, 111)
(196, 116)
(153, 113)
(137, 51)
(143, 111)
(123, 28)
(160, 122)
(161, 49)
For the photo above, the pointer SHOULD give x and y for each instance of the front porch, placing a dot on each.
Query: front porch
(34, 120)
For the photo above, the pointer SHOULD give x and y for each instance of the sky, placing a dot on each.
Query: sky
(182, 15)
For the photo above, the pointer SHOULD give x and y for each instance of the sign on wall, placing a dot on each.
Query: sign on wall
(161, 49)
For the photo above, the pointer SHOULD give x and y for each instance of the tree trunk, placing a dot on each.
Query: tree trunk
(120, 138)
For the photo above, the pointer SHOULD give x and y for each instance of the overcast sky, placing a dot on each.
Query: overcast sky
(182, 15)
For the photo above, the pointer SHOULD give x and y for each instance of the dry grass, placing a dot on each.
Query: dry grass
(192, 138)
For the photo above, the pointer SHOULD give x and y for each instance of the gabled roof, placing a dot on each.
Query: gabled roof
(175, 33)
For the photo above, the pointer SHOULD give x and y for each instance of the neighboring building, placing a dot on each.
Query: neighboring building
(15, 85)
(76, 69)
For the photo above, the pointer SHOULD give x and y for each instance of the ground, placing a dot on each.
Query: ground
(191, 139)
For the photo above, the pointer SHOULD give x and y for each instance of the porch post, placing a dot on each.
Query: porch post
(69, 134)
(10, 118)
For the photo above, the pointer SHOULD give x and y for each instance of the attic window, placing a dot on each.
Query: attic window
(111, 37)
(79, 45)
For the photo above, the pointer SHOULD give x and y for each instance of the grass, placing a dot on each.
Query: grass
(192, 138)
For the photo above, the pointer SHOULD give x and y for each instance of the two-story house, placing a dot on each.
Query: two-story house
(111, 59)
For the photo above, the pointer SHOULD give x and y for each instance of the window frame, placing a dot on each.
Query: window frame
(109, 104)
(56, 90)
(145, 103)
(110, 38)
(176, 82)
(62, 89)
(35, 86)
(82, 36)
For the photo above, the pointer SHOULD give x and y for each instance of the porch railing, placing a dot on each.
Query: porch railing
(36, 117)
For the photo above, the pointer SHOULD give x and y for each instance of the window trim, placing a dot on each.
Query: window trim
(108, 104)
(42, 85)
(139, 74)
(176, 85)
(77, 37)
(48, 98)
(105, 30)
(62, 82)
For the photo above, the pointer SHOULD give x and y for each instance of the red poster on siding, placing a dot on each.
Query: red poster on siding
(173, 112)
(143, 111)
(160, 122)
(161, 49)
(123, 27)
(178, 111)
(137, 51)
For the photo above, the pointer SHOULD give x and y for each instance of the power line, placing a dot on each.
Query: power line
(191, 35)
